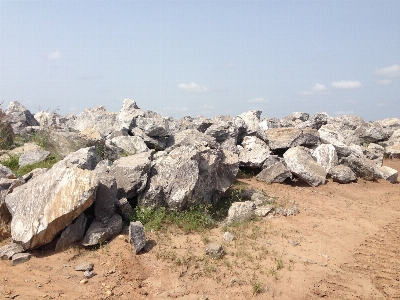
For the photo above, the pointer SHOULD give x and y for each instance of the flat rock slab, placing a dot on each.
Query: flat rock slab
(32, 157)
(84, 266)
(215, 250)
(137, 236)
(240, 211)
(7, 251)
(342, 174)
(20, 258)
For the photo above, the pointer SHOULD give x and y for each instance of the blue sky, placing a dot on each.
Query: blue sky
(203, 57)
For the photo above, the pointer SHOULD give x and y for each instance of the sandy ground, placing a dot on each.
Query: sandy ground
(344, 244)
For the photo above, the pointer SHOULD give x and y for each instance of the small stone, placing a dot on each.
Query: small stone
(229, 237)
(215, 250)
(137, 237)
(89, 274)
(262, 211)
(20, 258)
(109, 293)
(7, 251)
(83, 281)
(293, 242)
(84, 266)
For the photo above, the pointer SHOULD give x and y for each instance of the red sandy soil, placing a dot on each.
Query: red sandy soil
(348, 248)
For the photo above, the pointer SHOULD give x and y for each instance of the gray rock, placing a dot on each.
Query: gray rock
(128, 113)
(189, 175)
(137, 236)
(252, 120)
(73, 233)
(19, 117)
(215, 250)
(37, 213)
(294, 119)
(106, 197)
(283, 138)
(20, 258)
(125, 209)
(7, 251)
(6, 187)
(84, 266)
(5, 172)
(325, 155)
(156, 143)
(32, 157)
(300, 163)
(393, 151)
(277, 172)
(240, 211)
(314, 122)
(89, 274)
(362, 167)
(124, 145)
(102, 231)
(263, 211)
(229, 237)
(65, 142)
(271, 160)
(153, 124)
(191, 137)
(387, 173)
(225, 133)
(253, 152)
(291, 211)
(374, 152)
(85, 159)
(131, 173)
(370, 133)
(258, 198)
(347, 122)
(389, 125)
(342, 174)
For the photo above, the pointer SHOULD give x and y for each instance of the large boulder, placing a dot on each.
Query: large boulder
(19, 117)
(342, 174)
(189, 175)
(240, 211)
(131, 173)
(294, 119)
(389, 125)
(225, 133)
(48, 203)
(128, 113)
(370, 133)
(123, 146)
(325, 155)
(393, 151)
(277, 172)
(253, 152)
(284, 138)
(101, 231)
(361, 166)
(73, 233)
(84, 158)
(252, 120)
(152, 124)
(300, 163)
(191, 137)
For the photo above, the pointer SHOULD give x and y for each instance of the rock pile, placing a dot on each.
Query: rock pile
(114, 159)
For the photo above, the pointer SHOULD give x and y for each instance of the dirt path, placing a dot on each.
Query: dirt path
(344, 244)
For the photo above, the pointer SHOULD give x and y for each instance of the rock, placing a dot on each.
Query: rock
(374, 152)
(102, 231)
(294, 243)
(83, 281)
(191, 137)
(73, 233)
(253, 152)
(37, 213)
(252, 120)
(189, 175)
(347, 122)
(65, 142)
(20, 258)
(225, 133)
(389, 125)
(393, 151)
(124, 146)
(387, 173)
(19, 117)
(342, 174)
(277, 172)
(325, 155)
(5, 172)
(84, 266)
(215, 250)
(227, 236)
(240, 211)
(258, 198)
(137, 236)
(85, 159)
(128, 113)
(125, 209)
(89, 274)
(32, 157)
(131, 173)
(314, 122)
(292, 211)
(262, 211)
(7, 251)
(105, 204)
(153, 124)
(294, 119)
(283, 138)
(370, 133)
(362, 167)
(156, 143)
(300, 163)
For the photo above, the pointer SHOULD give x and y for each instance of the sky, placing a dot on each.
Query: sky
(191, 58)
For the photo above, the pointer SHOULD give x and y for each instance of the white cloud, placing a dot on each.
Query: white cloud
(344, 112)
(54, 55)
(316, 89)
(230, 65)
(390, 72)
(205, 106)
(257, 100)
(183, 108)
(192, 87)
(346, 84)
(385, 82)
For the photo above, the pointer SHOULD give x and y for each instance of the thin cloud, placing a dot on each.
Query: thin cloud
(54, 55)
(316, 89)
(183, 108)
(389, 72)
(192, 87)
(385, 82)
(230, 65)
(344, 112)
(346, 84)
(205, 106)
(257, 100)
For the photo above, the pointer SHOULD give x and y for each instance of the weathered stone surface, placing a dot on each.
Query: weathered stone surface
(252, 120)
(370, 133)
(124, 146)
(20, 258)
(374, 152)
(73, 233)
(106, 196)
(362, 167)
(128, 113)
(125, 209)
(156, 143)
(315, 121)
(393, 151)
(153, 124)
(47, 204)
(215, 250)
(32, 157)
(387, 173)
(131, 173)
(199, 123)
(137, 236)
(325, 155)
(240, 211)
(277, 172)
(191, 137)
(85, 159)
(263, 211)
(5, 172)
(19, 117)
(299, 162)
(189, 175)
(227, 236)
(225, 133)
(342, 174)
(7, 251)
(294, 119)
(389, 125)
(291, 211)
(283, 138)
(65, 142)
(84, 266)
(101, 231)
(253, 152)
(347, 122)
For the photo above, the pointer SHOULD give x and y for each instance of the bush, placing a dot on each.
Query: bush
(6, 132)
